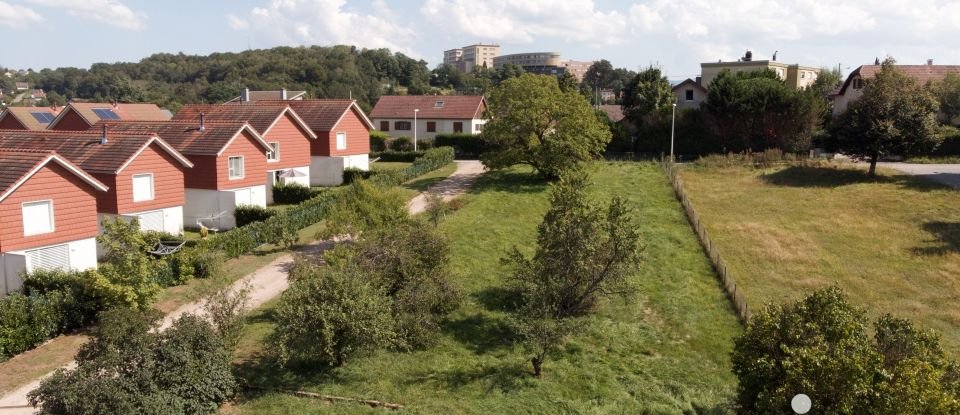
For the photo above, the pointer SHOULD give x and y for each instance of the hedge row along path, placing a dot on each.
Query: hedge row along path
(269, 281)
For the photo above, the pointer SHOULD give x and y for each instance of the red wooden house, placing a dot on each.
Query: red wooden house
(48, 215)
(145, 174)
(27, 118)
(228, 158)
(80, 116)
(288, 160)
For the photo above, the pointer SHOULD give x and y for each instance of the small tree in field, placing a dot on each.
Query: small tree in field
(533, 121)
(583, 252)
(894, 116)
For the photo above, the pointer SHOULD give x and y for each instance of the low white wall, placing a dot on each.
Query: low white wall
(11, 267)
(305, 180)
(204, 203)
(328, 171)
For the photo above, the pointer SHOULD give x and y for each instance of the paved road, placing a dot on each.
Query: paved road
(270, 281)
(948, 174)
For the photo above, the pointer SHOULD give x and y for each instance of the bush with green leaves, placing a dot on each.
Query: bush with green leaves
(247, 214)
(821, 346)
(401, 144)
(26, 321)
(352, 174)
(291, 193)
(464, 145)
(129, 368)
(378, 140)
(126, 269)
(363, 206)
(396, 156)
(329, 315)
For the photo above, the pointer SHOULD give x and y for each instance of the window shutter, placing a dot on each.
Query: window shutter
(37, 218)
(51, 257)
(142, 187)
(151, 221)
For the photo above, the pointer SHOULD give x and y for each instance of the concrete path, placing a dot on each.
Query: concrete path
(948, 174)
(270, 281)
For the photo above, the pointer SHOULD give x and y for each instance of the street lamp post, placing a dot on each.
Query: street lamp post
(673, 126)
(415, 111)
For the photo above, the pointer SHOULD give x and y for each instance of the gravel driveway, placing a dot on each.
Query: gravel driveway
(948, 174)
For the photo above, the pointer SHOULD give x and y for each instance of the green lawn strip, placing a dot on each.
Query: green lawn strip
(893, 242)
(665, 349)
(413, 187)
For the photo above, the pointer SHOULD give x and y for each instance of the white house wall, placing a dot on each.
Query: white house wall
(443, 127)
(328, 170)
(215, 207)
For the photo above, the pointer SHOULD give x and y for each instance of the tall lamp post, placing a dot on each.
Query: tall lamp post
(415, 111)
(673, 126)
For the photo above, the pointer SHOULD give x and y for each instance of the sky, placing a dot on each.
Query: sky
(674, 35)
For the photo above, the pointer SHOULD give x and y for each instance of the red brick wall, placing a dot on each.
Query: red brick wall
(71, 121)
(254, 160)
(358, 138)
(9, 122)
(74, 207)
(167, 181)
(294, 144)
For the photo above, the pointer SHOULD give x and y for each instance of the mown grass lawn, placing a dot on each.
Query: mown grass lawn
(893, 243)
(665, 349)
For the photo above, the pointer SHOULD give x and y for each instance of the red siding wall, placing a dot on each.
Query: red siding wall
(107, 201)
(358, 138)
(167, 181)
(10, 123)
(294, 144)
(74, 206)
(254, 161)
(203, 175)
(71, 121)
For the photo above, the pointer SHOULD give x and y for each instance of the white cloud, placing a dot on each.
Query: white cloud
(328, 22)
(112, 12)
(17, 16)
(524, 21)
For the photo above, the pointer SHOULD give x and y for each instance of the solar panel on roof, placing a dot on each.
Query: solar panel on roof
(106, 114)
(42, 117)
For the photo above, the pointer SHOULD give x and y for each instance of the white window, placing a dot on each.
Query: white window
(341, 141)
(142, 187)
(37, 217)
(274, 153)
(235, 167)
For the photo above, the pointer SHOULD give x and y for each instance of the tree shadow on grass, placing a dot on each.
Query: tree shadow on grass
(947, 236)
(261, 374)
(506, 378)
(828, 177)
(499, 299)
(509, 181)
(481, 332)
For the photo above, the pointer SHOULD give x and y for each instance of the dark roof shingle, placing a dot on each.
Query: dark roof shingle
(82, 148)
(15, 165)
(186, 136)
(461, 107)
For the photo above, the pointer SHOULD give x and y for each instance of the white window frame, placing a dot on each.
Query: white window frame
(273, 155)
(134, 190)
(341, 145)
(231, 174)
(23, 218)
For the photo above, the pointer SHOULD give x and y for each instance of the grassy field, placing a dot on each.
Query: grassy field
(666, 349)
(893, 243)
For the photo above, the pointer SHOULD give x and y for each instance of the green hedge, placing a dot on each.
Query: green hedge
(378, 140)
(401, 144)
(464, 145)
(291, 193)
(397, 156)
(247, 214)
(28, 321)
(432, 159)
(352, 174)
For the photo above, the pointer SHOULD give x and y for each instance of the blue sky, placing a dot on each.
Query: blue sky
(676, 35)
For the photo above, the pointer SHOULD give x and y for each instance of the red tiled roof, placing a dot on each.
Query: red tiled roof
(254, 96)
(17, 165)
(185, 136)
(320, 115)
(614, 112)
(24, 115)
(140, 112)
(260, 117)
(85, 148)
(461, 107)
(921, 73)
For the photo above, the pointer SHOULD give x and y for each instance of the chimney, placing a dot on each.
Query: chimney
(929, 62)
(203, 126)
(245, 95)
(283, 94)
(699, 80)
(103, 135)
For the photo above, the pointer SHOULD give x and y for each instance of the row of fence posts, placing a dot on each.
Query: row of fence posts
(736, 296)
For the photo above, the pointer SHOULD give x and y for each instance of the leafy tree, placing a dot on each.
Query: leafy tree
(649, 93)
(894, 116)
(820, 346)
(532, 121)
(568, 82)
(583, 252)
(330, 314)
(948, 95)
(125, 265)
(827, 80)
(128, 369)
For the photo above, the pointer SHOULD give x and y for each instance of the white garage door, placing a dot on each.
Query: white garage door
(151, 221)
(51, 257)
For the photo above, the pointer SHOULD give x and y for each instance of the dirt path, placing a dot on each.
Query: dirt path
(270, 281)
(948, 174)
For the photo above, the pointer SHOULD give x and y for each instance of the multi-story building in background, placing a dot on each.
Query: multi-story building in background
(577, 68)
(547, 63)
(794, 75)
(467, 57)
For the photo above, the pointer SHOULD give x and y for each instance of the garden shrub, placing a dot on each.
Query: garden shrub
(352, 174)
(83, 297)
(397, 156)
(378, 140)
(401, 144)
(28, 321)
(291, 193)
(464, 145)
(247, 214)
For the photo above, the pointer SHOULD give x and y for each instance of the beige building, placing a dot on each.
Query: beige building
(797, 76)
(577, 68)
(529, 59)
(689, 93)
(467, 57)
